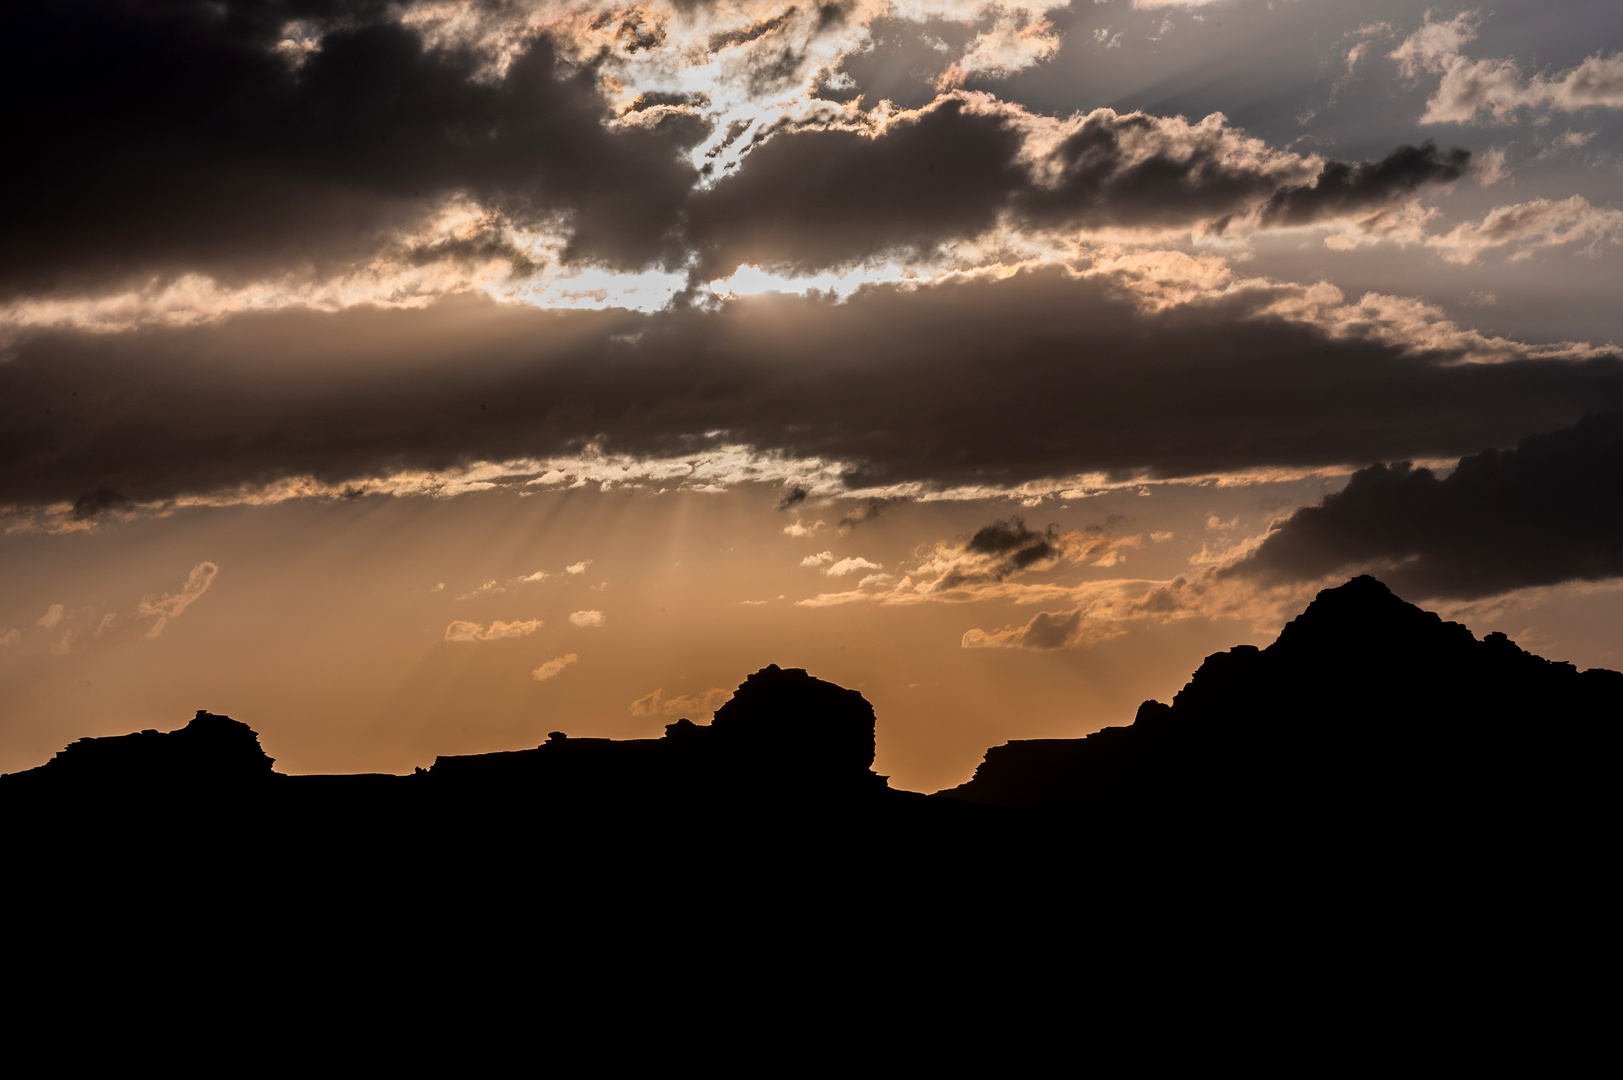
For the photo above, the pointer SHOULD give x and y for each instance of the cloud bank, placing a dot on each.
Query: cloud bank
(1548, 511)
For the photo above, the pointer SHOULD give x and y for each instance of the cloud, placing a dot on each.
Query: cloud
(10, 637)
(1497, 86)
(1017, 39)
(1045, 630)
(798, 529)
(325, 158)
(1548, 511)
(1016, 545)
(657, 704)
(1538, 223)
(793, 497)
(587, 618)
(1126, 362)
(1491, 167)
(865, 513)
(463, 631)
(552, 667)
(161, 608)
(985, 567)
(578, 568)
(968, 163)
(1341, 189)
(491, 585)
(851, 565)
(52, 616)
(822, 558)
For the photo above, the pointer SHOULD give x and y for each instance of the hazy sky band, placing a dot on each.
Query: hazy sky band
(760, 327)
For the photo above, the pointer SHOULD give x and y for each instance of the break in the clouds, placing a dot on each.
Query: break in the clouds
(1548, 511)
(1496, 86)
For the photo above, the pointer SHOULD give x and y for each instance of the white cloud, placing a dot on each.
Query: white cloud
(851, 565)
(587, 618)
(820, 559)
(168, 606)
(552, 667)
(578, 568)
(1537, 223)
(461, 630)
(491, 585)
(10, 637)
(1490, 167)
(105, 625)
(797, 529)
(1496, 85)
(657, 704)
(52, 616)
(1017, 39)
(1436, 44)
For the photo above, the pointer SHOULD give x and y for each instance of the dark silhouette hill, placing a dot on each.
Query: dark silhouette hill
(1377, 808)
(784, 736)
(211, 753)
(1367, 713)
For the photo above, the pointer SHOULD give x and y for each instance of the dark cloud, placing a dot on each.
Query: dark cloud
(1551, 510)
(867, 512)
(93, 503)
(818, 198)
(160, 138)
(812, 199)
(1051, 630)
(1341, 188)
(1016, 545)
(1010, 546)
(987, 383)
(1136, 171)
(1045, 630)
(793, 497)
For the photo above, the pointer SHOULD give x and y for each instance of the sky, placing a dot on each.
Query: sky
(419, 378)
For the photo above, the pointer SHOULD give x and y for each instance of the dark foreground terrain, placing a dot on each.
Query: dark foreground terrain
(1376, 815)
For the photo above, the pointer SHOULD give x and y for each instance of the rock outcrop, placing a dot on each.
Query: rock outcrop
(1366, 708)
(783, 735)
(213, 753)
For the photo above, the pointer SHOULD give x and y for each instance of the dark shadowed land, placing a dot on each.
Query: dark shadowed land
(1376, 791)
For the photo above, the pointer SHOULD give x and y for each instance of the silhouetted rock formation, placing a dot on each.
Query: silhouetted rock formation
(784, 736)
(213, 753)
(1367, 712)
(1377, 799)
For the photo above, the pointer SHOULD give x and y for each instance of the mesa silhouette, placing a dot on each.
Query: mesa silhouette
(1366, 712)
(1375, 786)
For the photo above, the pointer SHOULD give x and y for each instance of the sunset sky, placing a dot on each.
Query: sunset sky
(407, 378)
